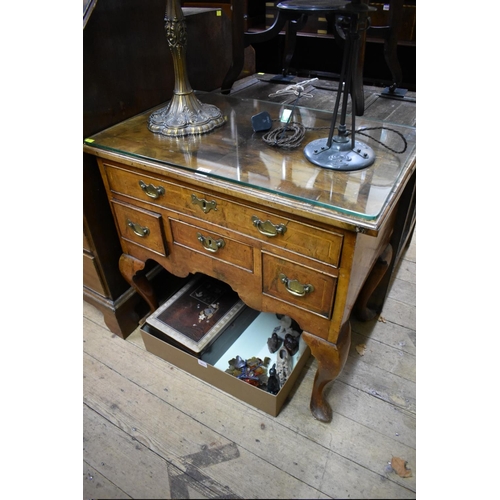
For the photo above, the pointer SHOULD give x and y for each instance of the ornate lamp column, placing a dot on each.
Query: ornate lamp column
(184, 114)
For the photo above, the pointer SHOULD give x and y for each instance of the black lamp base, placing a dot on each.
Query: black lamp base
(340, 155)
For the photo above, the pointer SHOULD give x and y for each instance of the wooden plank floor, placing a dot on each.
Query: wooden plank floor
(154, 431)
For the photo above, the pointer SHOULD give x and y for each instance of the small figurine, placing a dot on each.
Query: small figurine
(239, 362)
(273, 382)
(291, 344)
(274, 342)
(284, 365)
(252, 371)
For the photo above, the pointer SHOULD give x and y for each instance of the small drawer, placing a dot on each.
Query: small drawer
(301, 286)
(140, 227)
(138, 186)
(212, 244)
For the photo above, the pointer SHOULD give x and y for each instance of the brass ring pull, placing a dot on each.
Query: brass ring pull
(205, 205)
(141, 231)
(151, 190)
(268, 228)
(210, 244)
(294, 287)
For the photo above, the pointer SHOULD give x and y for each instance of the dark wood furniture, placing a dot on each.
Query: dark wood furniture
(390, 23)
(127, 68)
(287, 236)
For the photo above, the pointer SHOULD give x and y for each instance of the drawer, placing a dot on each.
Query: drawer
(91, 274)
(140, 227)
(212, 244)
(142, 187)
(269, 228)
(315, 243)
(298, 285)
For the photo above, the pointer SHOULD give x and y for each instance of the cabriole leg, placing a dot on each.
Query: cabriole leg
(331, 359)
(129, 267)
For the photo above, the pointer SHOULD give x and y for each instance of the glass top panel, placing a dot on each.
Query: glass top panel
(235, 153)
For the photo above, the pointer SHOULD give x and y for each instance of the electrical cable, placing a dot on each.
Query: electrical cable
(279, 138)
(290, 135)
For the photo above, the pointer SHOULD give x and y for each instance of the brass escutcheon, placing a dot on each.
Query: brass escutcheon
(205, 205)
(210, 244)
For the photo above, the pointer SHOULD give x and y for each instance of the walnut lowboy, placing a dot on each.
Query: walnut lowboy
(288, 236)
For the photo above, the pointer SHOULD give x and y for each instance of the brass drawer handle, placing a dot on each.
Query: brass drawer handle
(151, 190)
(205, 205)
(210, 244)
(268, 228)
(294, 287)
(141, 231)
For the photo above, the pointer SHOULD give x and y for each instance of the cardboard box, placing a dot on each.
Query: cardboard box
(251, 342)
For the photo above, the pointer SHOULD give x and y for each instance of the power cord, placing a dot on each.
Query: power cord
(290, 136)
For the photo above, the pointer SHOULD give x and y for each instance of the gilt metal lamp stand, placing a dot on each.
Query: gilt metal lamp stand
(184, 114)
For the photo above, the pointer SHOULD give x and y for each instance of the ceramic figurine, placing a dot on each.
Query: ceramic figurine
(253, 370)
(274, 342)
(273, 382)
(291, 344)
(239, 362)
(284, 365)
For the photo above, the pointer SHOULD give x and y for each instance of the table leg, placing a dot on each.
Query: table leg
(130, 267)
(295, 24)
(331, 359)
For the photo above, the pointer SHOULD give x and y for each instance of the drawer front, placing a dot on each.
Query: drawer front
(138, 186)
(91, 274)
(315, 243)
(269, 228)
(212, 244)
(140, 227)
(298, 285)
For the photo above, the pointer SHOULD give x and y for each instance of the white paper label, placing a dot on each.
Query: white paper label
(202, 363)
(285, 115)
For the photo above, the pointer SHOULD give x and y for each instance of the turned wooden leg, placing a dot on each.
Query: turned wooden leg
(363, 313)
(129, 267)
(331, 359)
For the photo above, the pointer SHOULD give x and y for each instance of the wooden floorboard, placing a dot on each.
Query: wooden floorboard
(152, 430)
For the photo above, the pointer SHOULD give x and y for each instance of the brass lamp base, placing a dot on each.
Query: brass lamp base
(185, 115)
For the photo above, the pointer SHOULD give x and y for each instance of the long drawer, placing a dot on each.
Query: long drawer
(268, 227)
